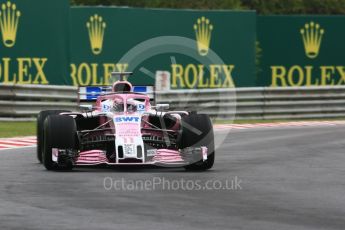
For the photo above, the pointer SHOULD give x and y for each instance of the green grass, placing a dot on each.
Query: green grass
(248, 121)
(28, 128)
(17, 128)
(270, 121)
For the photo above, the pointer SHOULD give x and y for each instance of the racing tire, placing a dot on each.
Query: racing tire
(197, 131)
(39, 129)
(59, 132)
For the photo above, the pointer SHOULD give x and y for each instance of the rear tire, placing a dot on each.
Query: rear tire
(39, 129)
(60, 133)
(197, 131)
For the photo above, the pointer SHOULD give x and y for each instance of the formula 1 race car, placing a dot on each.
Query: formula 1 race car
(123, 128)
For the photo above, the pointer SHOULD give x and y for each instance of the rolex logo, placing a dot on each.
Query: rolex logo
(9, 20)
(96, 27)
(312, 37)
(203, 29)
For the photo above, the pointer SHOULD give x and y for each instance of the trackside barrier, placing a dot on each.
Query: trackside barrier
(260, 102)
(24, 101)
(19, 101)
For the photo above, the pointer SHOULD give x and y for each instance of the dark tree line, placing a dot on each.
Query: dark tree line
(261, 6)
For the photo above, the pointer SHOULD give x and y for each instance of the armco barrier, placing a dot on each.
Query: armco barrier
(18, 101)
(260, 102)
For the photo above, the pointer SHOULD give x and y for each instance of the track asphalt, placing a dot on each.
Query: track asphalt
(278, 178)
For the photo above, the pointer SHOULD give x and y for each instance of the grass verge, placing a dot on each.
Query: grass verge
(270, 121)
(17, 128)
(28, 128)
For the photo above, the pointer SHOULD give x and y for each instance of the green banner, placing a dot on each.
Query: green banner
(301, 50)
(197, 49)
(47, 42)
(34, 43)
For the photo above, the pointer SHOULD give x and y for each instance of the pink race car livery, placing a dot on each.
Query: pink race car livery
(123, 128)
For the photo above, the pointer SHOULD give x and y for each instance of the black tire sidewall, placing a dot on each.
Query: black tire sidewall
(59, 132)
(39, 129)
(191, 138)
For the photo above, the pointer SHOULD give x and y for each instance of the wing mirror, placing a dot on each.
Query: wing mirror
(162, 107)
(86, 107)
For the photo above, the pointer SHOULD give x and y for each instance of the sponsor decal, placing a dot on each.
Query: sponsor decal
(127, 126)
(204, 153)
(128, 149)
(127, 119)
(105, 107)
(141, 107)
(151, 152)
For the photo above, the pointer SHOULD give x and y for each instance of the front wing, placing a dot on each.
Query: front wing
(158, 157)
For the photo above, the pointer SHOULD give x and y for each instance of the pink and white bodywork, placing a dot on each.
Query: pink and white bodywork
(123, 128)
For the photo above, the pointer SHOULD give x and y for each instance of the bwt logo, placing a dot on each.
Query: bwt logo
(127, 119)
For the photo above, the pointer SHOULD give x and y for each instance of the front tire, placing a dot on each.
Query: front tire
(197, 131)
(60, 133)
(39, 129)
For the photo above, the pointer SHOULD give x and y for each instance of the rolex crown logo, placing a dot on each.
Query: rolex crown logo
(96, 27)
(9, 20)
(312, 37)
(203, 30)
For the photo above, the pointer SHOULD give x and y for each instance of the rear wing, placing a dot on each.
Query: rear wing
(90, 93)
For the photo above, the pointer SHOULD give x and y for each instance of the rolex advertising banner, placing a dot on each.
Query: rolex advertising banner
(301, 50)
(188, 48)
(34, 42)
(47, 42)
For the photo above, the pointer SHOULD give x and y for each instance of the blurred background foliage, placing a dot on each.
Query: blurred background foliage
(261, 6)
